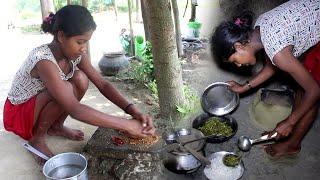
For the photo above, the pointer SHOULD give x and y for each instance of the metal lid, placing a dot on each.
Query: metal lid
(218, 99)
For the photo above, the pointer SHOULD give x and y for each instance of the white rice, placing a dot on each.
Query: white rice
(219, 171)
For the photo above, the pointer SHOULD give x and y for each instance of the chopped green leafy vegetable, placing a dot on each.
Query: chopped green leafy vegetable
(231, 160)
(215, 127)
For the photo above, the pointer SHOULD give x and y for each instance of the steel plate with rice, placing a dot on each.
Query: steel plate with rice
(218, 170)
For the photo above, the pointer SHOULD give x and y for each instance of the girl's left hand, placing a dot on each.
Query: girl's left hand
(284, 129)
(236, 87)
(147, 123)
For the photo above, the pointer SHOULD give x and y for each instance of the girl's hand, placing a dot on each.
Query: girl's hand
(236, 87)
(147, 123)
(283, 128)
(134, 129)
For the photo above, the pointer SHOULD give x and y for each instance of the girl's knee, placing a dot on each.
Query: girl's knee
(81, 81)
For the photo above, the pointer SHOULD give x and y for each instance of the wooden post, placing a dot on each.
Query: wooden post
(138, 11)
(68, 2)
(85, 3)
(175, 10)
(145, 20)
(131, 28)
(47, 7)
(115, 9)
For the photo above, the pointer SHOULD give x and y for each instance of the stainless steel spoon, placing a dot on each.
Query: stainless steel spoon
(245, 143)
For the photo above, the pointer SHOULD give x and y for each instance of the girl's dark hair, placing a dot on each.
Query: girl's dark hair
(230, 32)
(73, 20)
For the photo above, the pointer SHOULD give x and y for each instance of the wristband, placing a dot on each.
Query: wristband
(248, 84)
(127, 107)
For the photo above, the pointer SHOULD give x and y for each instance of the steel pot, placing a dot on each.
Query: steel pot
(181, 162)
(178, 160)
(64, 166)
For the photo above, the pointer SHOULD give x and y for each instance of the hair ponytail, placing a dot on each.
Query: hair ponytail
(47, 23)
(73, 20)
(244, 20)
(230, 32)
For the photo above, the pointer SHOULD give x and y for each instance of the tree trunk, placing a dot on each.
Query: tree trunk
(84, 3)
(138, 11)
(145, 20)
(115, 8)
(175, 10)
(167, 66)
(131, 28)
(47, 7)
(68, 2)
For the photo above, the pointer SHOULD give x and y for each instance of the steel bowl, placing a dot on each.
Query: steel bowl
(218, 99)
(203, 118)
(66, 166)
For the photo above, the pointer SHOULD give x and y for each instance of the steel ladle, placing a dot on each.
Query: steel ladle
(245, 143)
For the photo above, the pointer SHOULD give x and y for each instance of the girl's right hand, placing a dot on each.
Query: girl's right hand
(236, 87)
(134, 129)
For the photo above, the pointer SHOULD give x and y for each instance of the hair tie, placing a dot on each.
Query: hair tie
(48, 19)
(238, 22)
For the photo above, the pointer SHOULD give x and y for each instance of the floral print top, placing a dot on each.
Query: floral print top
(296, 23)
(24, 86)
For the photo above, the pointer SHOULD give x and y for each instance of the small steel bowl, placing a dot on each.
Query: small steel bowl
(218, 99)
(203, 118)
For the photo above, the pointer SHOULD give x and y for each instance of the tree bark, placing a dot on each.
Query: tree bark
(175, 10)
(84, 3)
(131, 28)
(167, 66)
(68, 2)
(145, 20)
(47, 7)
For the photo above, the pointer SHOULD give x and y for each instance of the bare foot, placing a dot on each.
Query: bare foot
(41, 146)
(69, 133)
(281, 149)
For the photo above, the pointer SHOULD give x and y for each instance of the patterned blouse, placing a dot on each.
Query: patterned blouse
(24, 86)
(296, 22)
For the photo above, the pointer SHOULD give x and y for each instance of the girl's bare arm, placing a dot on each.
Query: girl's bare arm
(266, 72)
(105, 87)
(62, 93)
(288, 63)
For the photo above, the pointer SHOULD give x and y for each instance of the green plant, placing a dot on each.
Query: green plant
(192, 103)
(34, 28)
(143, 71)
(152, 86)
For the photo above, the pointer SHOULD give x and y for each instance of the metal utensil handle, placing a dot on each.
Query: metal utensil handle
(204, 137)
(35, 151)
(197, 155)
(265, 138)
